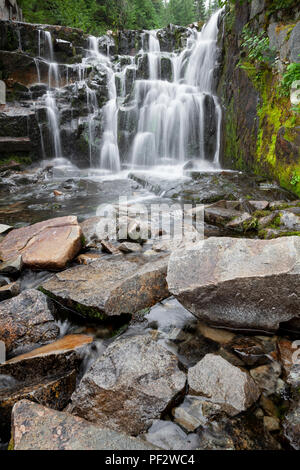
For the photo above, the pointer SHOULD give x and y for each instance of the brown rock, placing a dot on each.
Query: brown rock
(45, 245)
(111, 286)
(9, 291)
(109, 248)
(27, 320)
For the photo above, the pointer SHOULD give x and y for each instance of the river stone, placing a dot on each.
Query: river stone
(239, 283)
(134, 382)
(111, 286)
(46, 245)
(9, 291)
(35, 427)
(27, 320)
(222, 383)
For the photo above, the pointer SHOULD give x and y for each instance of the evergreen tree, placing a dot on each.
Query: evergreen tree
(181, 12)
(200, 10)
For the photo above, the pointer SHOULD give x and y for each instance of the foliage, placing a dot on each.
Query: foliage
(291, 75)
(181, 12)
(295, 179)
(257, 46)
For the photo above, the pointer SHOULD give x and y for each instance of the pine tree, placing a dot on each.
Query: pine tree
(200, 10)
(181, 12)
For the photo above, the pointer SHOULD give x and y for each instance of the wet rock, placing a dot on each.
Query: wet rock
(38, 428)
(215, 334)
(109, 248)
(291, 426)
(252, 350)
(134, 382)
(27, 320)
(54, 359)
(223, 383)
(195, 412)
(111, 287)
(271, 424)
(169, 436)
(88, 258)
(45, 245)
(129, 247)
(12, 267)
(10, 290)
(266, 377)
(238, 283)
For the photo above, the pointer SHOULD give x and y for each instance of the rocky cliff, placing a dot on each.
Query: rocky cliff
(260, 125)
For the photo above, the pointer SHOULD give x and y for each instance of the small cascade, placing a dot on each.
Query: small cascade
(154, 56)
(53, 122)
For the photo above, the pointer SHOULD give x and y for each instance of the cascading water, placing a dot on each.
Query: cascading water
(167, 114)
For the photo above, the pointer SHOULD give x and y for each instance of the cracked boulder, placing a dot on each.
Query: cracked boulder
(133, 383)
(239, 283)
(48, 245)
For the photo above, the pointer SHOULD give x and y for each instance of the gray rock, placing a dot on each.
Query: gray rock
(132, 384)
(12, 267)
(266, 377)
(35, 427)
(128, 247)
(195, 412)
(5, 228)
(27, 320)
(222, 383)
(239, 283)
(111, 287)
(257, 6)
(294, 44)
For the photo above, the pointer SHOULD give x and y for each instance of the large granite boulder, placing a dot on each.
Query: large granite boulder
(223, 384)
(239, 283)
(35, 427)
(46, 245)
(134, 382)
(111, 286)
(27, 320)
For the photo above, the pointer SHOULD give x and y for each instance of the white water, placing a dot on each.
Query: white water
(171, 117)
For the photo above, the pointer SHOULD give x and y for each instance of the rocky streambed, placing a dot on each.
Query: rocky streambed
(143, 341)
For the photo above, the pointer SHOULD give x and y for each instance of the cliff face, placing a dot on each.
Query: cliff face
(261, 128)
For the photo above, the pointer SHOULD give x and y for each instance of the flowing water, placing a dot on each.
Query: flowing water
(166, 117)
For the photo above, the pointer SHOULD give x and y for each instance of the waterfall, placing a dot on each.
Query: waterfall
(162, 107)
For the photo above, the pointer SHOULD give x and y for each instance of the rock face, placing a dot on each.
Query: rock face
(35, 427)
(223, 384)
(45, 245)
(239, 283)
(132, 384)
(110, 287)
(27, 320)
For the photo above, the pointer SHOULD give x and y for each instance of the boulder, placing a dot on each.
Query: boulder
(46, 245)
(27, 320)
(134, 382)
(239, 283)
(222, 383)
(35, 427)
(111, 286)
(169, 436)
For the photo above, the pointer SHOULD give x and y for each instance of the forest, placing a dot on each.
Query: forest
(98, 16)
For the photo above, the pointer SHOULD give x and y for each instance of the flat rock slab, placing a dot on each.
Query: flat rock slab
(239, 283)
(111, 287)
(27, 320)
(45, 245)
(35, 427)
(55, 358)
(130, 385)
(223, 384)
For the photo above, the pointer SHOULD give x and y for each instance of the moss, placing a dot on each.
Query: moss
(26, 160)
(11, 444)
(260, 213)
(251, 224)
